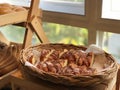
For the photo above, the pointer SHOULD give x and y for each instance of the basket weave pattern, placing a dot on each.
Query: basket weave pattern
(75, 80)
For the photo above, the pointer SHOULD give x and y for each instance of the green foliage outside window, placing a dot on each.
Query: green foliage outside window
(66, 34)
(56, 33)
(13, 33)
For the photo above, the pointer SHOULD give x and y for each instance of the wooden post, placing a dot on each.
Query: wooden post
(29, 33)
(34, 25)
(118, 80)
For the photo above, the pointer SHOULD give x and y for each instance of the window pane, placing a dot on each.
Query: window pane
(58, 33)
(112, 45)
(16, 34)
(71, 0)
(17, 2)
(65, 6)
(111, 9)
(13, 33)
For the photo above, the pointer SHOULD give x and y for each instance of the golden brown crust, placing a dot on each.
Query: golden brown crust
(82, 76)
(64, 61)
(5, 10)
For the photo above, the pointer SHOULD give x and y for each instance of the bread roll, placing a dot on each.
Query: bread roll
(5, 10)
(18, 8)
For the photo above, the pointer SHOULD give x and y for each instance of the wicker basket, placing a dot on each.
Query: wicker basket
(8, 58)
(103, 77)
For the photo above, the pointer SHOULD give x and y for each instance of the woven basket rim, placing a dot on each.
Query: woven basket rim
(24, 50)
(72, 80)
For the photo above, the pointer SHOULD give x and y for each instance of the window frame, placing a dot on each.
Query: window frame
(63, 6)
(92, 20)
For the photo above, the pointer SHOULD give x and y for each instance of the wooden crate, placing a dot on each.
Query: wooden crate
(32, 20)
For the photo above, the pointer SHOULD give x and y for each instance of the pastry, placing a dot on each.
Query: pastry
(64, 62)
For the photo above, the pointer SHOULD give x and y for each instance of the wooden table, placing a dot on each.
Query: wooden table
(25, 84)
(17, 82)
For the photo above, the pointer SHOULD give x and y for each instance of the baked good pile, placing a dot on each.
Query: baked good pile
(63, 61)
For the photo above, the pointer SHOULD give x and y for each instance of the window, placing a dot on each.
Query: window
(111, 45)
(18, 34)
(71, 0)
(65, 6)
(58, 33)
(111, 19)
(91, 21)
(17, 2)
(111, 9)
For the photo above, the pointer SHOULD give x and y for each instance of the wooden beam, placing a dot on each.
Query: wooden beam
(28, 37)
(36, 24)
(4, 39)
(33, 11)
(91, 36)
(15, 17)
(118, 80)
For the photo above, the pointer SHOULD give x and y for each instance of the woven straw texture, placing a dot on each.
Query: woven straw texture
(8, 57)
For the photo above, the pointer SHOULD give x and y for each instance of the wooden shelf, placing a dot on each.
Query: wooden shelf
(13, 18)
(32, 19)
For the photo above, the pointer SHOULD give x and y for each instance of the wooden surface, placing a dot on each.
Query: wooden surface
(17, 81)
(33, 11)
(118, 80)
(33, 24)
(27, 17)
(36, 24)
(12, 18)
(41, 85)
